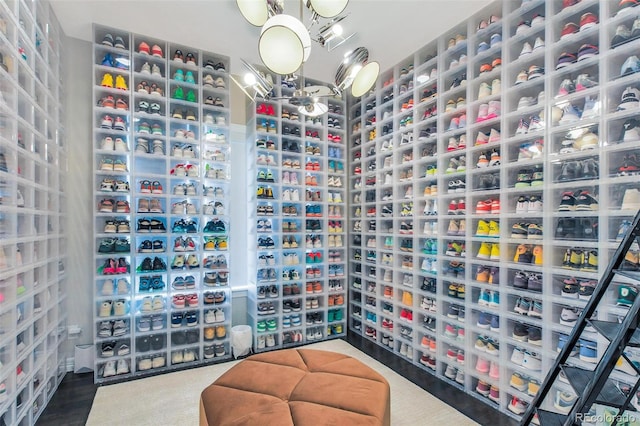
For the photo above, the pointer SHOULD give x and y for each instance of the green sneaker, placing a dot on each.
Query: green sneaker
(191, 96)
(178, 94)
(626, 295)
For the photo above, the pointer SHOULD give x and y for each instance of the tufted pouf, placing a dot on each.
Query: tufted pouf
(297, 387)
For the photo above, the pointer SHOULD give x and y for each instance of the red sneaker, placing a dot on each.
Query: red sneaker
(143, 48)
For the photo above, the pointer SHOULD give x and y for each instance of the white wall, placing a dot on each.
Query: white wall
(78, 83)
(78, 98)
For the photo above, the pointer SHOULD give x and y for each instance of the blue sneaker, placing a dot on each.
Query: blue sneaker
(562, 340)
(495, 323)
(176, 319)
(630, 66)
(107, 61)
(122, 63)
(494, 301)
(483, 46)
(623, 229)
(588, 351)
(158, 246)
(495, 39)
(484, 320)
(485, 298)
(564, 401)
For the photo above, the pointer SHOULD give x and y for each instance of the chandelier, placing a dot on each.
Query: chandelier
(284, 45)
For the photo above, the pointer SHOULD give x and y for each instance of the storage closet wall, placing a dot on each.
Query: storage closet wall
(33, 245)
(161, 182)
(490, 174)
(300, 240)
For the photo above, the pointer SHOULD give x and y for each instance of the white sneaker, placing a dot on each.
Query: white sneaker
(120, 145)
(109, 369)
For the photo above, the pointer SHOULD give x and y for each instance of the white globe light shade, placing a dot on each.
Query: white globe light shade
(328, 8)
(254, 11)
(284, 45)
(365, 79)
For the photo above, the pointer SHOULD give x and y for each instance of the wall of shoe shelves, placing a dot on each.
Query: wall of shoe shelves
(491, 175)
(299, 239)
(33, 246)
(162, 176)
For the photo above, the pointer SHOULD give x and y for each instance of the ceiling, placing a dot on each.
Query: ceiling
(391, 29)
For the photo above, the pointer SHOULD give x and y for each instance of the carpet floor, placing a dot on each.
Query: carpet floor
(173, 398)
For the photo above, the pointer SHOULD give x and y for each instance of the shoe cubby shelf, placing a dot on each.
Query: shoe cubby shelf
(490, 179)
(162, 299)
(33, 246)
(298, 197)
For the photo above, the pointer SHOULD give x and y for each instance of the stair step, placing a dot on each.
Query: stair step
(609, 394)
(634, 275)
(610, 329)
(549, 418)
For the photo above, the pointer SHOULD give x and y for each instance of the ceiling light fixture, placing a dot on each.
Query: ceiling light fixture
(284, 45)
(331, 35)
(356, 72)
(257, 12)
(254, 83)
(326, 8)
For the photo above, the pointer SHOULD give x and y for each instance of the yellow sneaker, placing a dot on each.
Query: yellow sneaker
(407, 298)
(537, 255)
(222, 243)
(495, 251)
(210, 243)
(121, 83)
(483, 229)
(485, 251)
(517, 381)
(107, 80)
(494, 228)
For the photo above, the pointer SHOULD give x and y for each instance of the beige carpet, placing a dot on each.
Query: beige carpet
(172, 399)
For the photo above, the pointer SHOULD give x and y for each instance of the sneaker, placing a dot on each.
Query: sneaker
(622, 35)
(566, 59)
(587, 51)
(630, 66)
(630, 99)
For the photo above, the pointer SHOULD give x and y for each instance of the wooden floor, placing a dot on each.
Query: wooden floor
(72, 401)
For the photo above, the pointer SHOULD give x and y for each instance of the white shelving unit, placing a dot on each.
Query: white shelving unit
(459, 235)
(299, 293)
(162, 172)
(33, 247)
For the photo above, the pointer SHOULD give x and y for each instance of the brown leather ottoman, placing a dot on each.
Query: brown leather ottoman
(301, 387)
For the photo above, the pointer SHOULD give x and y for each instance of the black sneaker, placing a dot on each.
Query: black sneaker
(535, 336)
(567, 229)
(590, 169)
(147, 265)
(157, 342)
(568, 202)
(192, 337)
(159, 265)
(520, 332)
(570, 171)
(589, 228)
(143, 344)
